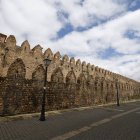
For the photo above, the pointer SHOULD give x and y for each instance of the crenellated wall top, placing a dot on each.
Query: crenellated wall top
(37, 54)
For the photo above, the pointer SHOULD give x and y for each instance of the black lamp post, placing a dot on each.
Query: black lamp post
(118, 104)
(42, 116)
(4, 57)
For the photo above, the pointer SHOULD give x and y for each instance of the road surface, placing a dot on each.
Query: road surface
(101, 123)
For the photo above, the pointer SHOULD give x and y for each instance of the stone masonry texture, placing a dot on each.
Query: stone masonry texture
(70, 83)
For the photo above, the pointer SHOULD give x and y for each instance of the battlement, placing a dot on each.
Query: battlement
(34, 57)
(2, 38)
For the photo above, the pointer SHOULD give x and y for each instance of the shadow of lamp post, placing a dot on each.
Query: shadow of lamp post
(42, 116)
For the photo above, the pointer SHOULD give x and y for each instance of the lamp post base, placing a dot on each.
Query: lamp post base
(118, 104)
(42, 118)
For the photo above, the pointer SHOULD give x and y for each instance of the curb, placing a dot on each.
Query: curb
(57, 112)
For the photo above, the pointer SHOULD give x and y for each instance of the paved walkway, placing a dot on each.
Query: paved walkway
(32, 115)
(83, 123)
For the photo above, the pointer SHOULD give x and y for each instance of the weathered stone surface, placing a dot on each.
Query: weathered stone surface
(70, 82)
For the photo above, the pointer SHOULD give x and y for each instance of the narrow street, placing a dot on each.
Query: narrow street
(101, 123)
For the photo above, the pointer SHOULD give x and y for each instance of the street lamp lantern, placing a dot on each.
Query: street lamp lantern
(47, 62)
(42, 116)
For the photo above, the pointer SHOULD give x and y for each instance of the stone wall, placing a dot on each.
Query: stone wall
(71, 83)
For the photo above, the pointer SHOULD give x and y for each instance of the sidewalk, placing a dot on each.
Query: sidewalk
(57, 112)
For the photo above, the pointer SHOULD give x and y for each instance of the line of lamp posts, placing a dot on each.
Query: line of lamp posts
(42, 115)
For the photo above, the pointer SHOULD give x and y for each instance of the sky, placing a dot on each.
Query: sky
(105, 33)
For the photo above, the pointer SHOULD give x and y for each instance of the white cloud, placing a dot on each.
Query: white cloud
(89, 11)
(33, 17)
(104, 36)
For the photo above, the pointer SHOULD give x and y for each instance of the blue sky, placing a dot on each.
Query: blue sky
(105, 33)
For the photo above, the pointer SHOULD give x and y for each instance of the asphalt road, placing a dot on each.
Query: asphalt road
(102, 123)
